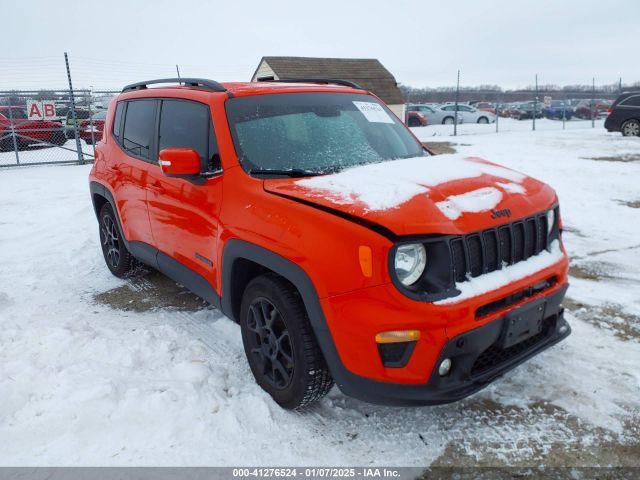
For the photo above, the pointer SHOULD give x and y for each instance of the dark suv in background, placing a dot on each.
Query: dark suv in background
(624, 115)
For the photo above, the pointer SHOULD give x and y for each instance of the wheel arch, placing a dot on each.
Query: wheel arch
(100, 195)
(239, 254)
(242, 261)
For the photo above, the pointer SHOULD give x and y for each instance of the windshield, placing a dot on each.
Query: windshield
(316, 132)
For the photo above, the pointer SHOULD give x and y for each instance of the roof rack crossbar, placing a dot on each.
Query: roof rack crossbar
(191, 82)
(328, 81)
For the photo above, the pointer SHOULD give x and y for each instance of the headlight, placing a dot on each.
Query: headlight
(551, 219)
(410, 262)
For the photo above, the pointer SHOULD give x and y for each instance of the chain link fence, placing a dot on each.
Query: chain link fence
(455, 110)
(48, 126)
(62, 125)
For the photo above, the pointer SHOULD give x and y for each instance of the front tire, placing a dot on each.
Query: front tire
(447, 121)
(631, 128)
(118, 259)
(281, 349)
(483, 120)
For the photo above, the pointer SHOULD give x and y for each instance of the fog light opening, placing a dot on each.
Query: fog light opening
(563, 329)
(445, 367)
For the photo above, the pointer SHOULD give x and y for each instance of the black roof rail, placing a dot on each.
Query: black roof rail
(190, 82)
(328, 81)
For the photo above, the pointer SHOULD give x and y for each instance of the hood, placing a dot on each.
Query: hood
(447, 194)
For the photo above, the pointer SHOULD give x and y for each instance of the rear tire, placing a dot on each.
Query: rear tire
(447, 121)
(414, 122)
(630, 128)
(118, 259)
(281, 349)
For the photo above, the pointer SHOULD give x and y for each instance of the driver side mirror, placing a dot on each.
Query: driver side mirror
(179, 161)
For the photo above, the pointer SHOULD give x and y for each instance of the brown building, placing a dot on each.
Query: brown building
(369, 73)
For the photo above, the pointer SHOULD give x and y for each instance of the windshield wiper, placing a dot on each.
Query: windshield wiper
(293, 172)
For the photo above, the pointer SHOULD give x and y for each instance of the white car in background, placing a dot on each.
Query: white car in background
(466, 114)
(431, 112)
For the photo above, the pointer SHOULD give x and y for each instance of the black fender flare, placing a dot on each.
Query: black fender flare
(143, 252)
(99, 189)
(235, 249)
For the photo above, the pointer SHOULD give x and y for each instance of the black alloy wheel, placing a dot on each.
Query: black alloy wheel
(270, 343)
(280, 345)
(116, 255)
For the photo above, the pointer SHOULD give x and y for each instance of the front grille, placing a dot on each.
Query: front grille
(487, 251)
(495, 355)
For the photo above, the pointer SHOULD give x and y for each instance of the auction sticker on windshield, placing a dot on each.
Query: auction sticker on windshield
(373, 112)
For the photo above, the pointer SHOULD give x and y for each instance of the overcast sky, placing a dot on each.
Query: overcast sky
(423, 43)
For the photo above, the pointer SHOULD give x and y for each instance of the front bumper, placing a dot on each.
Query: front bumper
(478, 357)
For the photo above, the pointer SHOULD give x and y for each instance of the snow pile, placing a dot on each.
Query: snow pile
(474, 201)
(381, 186)
(473, 287)
(85, 383)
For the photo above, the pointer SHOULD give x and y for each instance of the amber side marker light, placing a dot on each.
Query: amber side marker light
(396, 346)
(366, 260)
(396, 336)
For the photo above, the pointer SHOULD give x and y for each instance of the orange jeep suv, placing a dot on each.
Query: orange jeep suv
(309, 214)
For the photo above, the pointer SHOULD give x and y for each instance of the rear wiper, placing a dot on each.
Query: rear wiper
(294, 172)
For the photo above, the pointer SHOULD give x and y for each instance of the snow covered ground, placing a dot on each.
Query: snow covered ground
(100, 371)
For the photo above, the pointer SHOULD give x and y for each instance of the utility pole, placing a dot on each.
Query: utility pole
(455, 118)
(13, 134)
(178, 70)
(73, 111)
(535, 105)
(593, 93)
(497, 111)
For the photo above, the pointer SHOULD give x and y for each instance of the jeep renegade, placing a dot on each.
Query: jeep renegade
(346, 251)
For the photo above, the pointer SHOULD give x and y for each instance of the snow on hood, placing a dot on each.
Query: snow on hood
(381, 186)
(416, 195)
(479, 200)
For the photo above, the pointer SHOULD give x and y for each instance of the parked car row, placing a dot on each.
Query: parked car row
(55, 132)
(419, 115)
(584, 109)
(485, 112)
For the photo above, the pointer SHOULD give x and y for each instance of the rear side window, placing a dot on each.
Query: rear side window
(139, 124)
(117, 120)
(633, 101)
(187, 124)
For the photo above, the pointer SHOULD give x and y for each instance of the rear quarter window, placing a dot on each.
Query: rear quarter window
(117, 120)
(633, 101)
